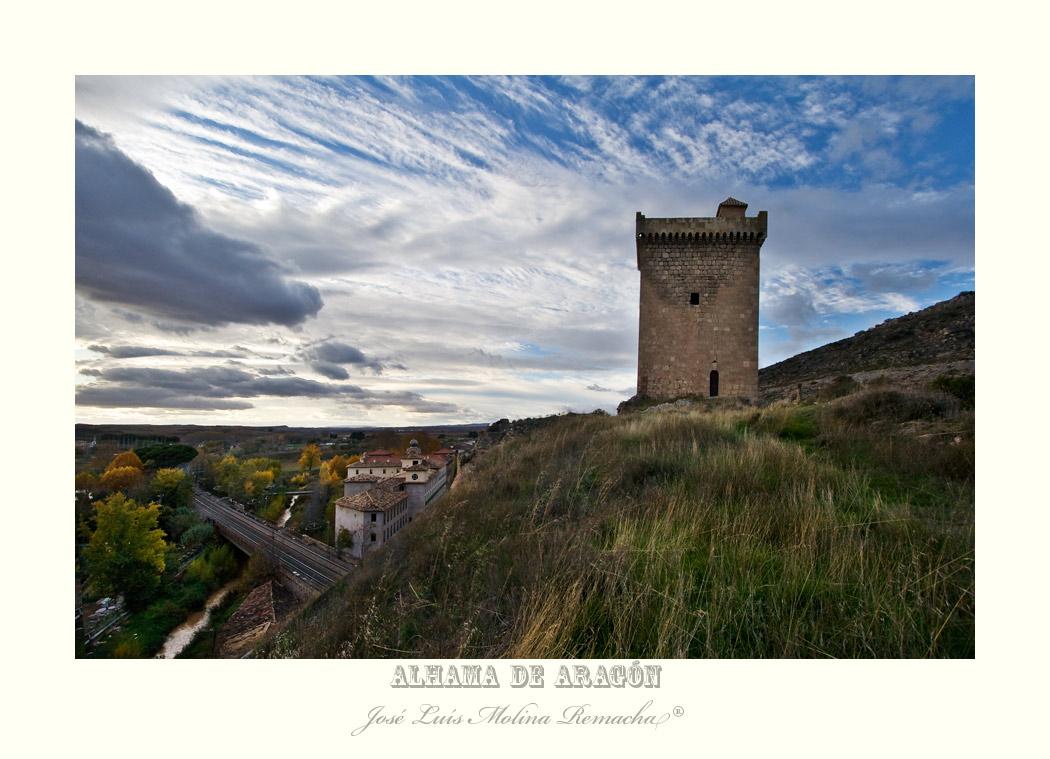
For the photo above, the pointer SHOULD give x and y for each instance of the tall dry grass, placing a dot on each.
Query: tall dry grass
(787, 532)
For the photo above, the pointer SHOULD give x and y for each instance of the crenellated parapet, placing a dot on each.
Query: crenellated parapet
(729, 227)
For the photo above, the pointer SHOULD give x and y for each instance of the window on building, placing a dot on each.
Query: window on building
(415, 476)
(373, 537)
(373, 517)
(694, 299)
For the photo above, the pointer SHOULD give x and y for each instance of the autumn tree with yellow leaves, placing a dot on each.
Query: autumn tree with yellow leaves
(125, 458)
(310, 458)
(333, 471)
(120, 478)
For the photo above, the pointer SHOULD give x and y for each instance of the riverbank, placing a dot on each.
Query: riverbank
(184, 598)
(182, 635)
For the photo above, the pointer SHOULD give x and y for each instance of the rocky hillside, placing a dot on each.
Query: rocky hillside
(941, 335)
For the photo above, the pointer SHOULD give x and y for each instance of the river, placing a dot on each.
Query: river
(180, 637)
(287, 513)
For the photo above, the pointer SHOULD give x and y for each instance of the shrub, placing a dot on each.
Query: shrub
(273, 509)
(213, 566)
(259, 568)
(798, 427)
(961, 387)
(129, 648)
(198, 535)
(840, 386)
(892, 405)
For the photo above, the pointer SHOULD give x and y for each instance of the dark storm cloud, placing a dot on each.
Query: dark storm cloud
(329, 357)
(131, 351)
(139, 351)
(137, 245)
(123, 396)
(331, 371)
(225, 387)
(338, 353)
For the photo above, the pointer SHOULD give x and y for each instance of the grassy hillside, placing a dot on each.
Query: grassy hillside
(844, 529)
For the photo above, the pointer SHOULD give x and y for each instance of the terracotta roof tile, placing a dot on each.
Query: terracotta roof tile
(378, 461)
(383, 497)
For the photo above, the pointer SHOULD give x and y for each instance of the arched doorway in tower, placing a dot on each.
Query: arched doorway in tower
(713, 389)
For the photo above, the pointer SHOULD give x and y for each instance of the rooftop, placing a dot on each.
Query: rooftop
(377, 461)
(383, 497)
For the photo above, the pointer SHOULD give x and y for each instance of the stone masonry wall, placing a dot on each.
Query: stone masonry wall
(678, 342)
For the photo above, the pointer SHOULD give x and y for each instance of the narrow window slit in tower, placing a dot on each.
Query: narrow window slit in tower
(694, 299)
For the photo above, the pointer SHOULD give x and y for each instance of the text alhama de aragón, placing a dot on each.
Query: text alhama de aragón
(634, 675)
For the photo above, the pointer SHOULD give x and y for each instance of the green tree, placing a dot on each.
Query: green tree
(166, 455)
(171, 487)
(126, 550)
(86, 481)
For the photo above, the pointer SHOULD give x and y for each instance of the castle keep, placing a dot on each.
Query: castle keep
(698, 317)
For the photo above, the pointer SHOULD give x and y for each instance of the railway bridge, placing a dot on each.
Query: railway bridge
(307, 566)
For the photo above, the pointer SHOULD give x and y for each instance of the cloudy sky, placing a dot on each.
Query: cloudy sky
(406, 251)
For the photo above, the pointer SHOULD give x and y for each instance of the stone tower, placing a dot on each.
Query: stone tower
(698, 319)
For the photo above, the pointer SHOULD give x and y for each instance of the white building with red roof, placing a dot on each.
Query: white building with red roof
(383, 492)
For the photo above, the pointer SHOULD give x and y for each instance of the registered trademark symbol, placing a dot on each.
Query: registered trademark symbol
(679, 711)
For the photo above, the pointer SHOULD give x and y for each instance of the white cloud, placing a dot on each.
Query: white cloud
(441, 227)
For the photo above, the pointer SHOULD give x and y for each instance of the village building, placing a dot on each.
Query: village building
(383, 492)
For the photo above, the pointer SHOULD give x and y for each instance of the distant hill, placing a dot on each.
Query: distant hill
(942, 334)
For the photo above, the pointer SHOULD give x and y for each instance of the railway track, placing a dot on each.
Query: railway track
(316, 566)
